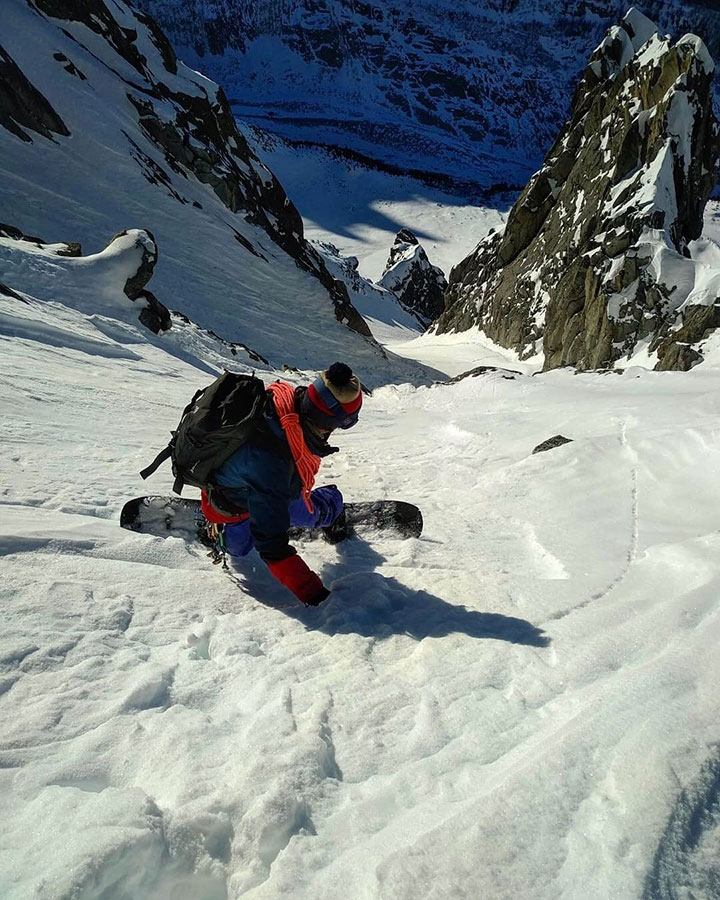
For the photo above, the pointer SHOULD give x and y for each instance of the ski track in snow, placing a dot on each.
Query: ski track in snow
(633, 543)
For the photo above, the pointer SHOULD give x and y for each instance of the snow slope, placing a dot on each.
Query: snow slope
(521, 703)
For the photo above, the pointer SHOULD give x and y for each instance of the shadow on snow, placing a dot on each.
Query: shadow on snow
(370, 604)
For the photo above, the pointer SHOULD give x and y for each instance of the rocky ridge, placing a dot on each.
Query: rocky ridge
(595, 260)
(409, 274)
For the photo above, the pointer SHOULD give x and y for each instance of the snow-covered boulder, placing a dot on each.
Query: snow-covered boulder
(409, 274)
(101, 284)
(596, 261)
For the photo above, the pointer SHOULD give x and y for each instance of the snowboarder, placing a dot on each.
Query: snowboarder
(266, 486)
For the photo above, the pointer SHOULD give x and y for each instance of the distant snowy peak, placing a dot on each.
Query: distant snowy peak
(409, 274)
(623, 43)
(594, 261)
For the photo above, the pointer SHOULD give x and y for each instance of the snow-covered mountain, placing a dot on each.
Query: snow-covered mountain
(409, 274)
(520, 705)
(472, 92)
(104, 130)
(602, 256)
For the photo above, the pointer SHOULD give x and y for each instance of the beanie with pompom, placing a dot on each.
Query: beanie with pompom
(334, 399)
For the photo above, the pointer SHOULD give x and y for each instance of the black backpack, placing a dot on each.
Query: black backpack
(218, 421)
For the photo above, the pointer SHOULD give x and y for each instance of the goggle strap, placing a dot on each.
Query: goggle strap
(327, 396)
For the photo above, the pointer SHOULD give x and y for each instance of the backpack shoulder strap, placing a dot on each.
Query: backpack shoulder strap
(157, 462)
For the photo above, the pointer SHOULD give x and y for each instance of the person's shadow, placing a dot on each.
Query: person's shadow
(364, 602)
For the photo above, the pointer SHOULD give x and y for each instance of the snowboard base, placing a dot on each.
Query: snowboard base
(163, 516)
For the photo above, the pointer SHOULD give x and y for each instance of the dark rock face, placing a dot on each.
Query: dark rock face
(551, 443)
(591, 259)
(507, 374)
(418, 285)
(204, 138)
(154, 315)
(22, 107)
(97, 17)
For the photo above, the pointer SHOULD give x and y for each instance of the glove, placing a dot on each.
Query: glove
(294, 574)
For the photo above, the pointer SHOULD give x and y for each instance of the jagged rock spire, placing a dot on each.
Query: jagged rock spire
(409, 274)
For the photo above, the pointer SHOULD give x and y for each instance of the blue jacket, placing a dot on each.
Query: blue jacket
(261, 478)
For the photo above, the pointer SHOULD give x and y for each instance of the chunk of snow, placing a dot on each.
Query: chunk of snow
(639, 27)
(701, 51)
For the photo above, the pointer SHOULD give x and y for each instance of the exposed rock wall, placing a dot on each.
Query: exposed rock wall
(22, 107)
(594, 257)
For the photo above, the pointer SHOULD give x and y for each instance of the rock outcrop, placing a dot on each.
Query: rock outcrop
(22, 107)
(409, 274)
(595, 258)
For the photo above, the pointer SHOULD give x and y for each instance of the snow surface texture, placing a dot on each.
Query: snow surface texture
(522, 703)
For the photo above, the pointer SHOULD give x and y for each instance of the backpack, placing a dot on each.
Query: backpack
(218, 421)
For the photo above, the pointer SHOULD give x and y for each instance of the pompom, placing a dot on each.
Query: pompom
(339, 374)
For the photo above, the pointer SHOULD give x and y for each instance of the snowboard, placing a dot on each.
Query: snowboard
(163, 516)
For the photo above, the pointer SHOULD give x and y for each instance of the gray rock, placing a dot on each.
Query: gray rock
(22, 107)
(72, 248)
(551, 443)
(418, 285)
(507, 374)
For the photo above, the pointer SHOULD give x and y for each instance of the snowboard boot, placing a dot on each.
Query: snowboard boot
(338, 531)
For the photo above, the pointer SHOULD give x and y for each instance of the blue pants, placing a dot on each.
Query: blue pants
(327, 506)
